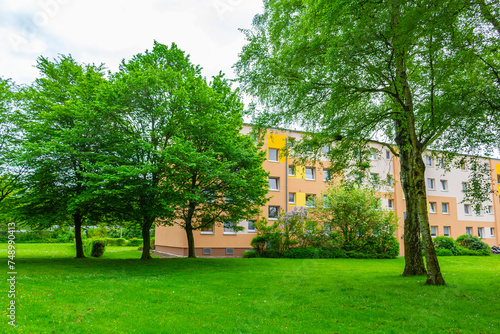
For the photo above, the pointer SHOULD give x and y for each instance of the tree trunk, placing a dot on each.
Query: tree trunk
(77, 220)
(146, 240)
(434, 276)
(190, 239)
(414, 262)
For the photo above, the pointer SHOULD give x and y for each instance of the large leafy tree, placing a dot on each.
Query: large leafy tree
(353, 70)
(61, 123)
(145, 104)
(215, 171)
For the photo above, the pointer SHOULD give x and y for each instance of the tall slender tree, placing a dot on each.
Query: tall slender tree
(353, 70)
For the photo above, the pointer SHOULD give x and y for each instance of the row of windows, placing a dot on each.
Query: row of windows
(228, 228)
(310, 174)
(445, 209)
(274, 153)
(468, 231)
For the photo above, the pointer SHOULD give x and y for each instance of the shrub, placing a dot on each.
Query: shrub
(471, 252)
(272, 253)
(98, 232)
(152, 243)
(445, 243)
(94, 247)
(443, 252)
(134, 242)
(472, 242)
(251, 253)
(259, 243)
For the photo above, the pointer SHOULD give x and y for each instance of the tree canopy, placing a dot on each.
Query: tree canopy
(407, 72)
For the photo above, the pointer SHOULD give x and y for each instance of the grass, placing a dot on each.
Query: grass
(120, 294)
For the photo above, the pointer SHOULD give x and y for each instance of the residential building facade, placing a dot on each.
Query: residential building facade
(295, 186)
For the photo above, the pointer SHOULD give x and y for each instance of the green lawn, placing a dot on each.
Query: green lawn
(120, 294)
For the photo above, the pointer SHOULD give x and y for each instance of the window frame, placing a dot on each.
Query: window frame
(468, 230)
(313, 173)
(326, 175)
(429, 161)
(269, 217)
(253, 229)
(445, 188)
(292, 169)
(443, 204)
(277, 154)
(205, 230)
(294, 198)
(313, 200)
(373, 154)
(277, 183)
(432, 207)
(467, 211)
(435, 231)
(229, 228)
(480, 232)
(431, 181)
(444, 231)
(390, 203)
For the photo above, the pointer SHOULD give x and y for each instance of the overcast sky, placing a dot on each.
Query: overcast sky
(108, 31)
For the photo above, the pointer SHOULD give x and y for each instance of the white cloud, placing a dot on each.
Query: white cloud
(95, 31)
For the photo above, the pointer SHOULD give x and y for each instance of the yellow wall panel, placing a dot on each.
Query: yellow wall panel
(278, 142)
(498, 169)
(300, 200)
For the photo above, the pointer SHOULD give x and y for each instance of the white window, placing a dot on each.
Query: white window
(388, 154)
(490, 209)
(326, 175)
(291, 198)
(358, 178)
(480, 232)
(390, 204)
(207, 230)
(446, 231)
(229, 228)
(444, 208)
(464, 186)
(273, 154)
(310, 173)
(374, 178)
(251, 226)
(434, 231)
(467, 209)
(373, 154)
(440, 163)
(428, 161)
(468, 230)
(310, 199)
(430, 184)
(444, 185)
(492, 232)
(274, 183)
(291, 170)
(325, 149)
(432, 207)
(273, 212)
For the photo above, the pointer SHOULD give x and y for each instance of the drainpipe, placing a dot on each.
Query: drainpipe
(286, 173)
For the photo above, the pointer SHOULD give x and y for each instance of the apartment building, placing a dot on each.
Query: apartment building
(295, 186)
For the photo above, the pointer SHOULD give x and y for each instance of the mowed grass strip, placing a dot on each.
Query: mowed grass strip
(120, 294)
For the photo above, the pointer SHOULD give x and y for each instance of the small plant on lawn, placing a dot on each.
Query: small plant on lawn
(94, 247)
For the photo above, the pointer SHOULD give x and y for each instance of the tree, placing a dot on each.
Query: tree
(61, 124)
(215, 171)
(146, 102)
(348, 71)
(356, 213)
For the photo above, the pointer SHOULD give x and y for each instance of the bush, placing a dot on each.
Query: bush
(472, 242)
(471, 252)
(272, 254)
(152, 243)
(94, 247)
(445, 243)
(443, 252)
(134, 242)
(251, 253)
(259, 244)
